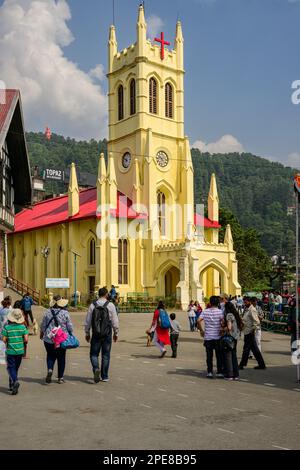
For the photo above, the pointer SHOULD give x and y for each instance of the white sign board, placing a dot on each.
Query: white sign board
(57, 283)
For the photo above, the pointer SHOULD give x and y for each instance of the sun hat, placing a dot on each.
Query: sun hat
(62, 303)
(16, 316)
(53, 302)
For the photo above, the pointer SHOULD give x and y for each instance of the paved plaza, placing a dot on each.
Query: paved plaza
(151, 403)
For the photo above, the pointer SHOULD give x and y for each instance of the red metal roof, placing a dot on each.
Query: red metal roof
(6, 100)
(200, 220)
(55, 211)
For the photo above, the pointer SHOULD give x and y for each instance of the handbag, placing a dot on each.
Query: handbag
(70, 343)
(227, 342)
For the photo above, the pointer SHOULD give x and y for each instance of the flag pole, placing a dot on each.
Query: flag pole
(297, 194)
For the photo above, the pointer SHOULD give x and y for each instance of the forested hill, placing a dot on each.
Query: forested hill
(256, 190)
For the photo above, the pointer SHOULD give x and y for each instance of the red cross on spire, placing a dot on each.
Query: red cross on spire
(163, 44)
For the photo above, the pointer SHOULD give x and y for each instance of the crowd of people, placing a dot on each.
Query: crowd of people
(221, 324)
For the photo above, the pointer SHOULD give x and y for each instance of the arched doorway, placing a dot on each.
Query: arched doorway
(172, 278)
(213, 279)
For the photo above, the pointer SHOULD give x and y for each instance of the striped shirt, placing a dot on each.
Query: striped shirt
(15, 338)
(212, 322)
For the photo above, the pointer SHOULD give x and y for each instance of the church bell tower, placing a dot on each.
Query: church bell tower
(152, 159)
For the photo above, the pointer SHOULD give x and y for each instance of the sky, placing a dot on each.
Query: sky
(241, 59)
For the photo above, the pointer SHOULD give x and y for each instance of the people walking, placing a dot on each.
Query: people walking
(56, 316)
(210, 327)
(233, 327)
(251, 322)
(27, 303)
(198, 311)
(271, 306)
(161, 326)
(4, 311)
(174, 334)
(192, 315)
(260, 314)
(14, 335)
(102, 319)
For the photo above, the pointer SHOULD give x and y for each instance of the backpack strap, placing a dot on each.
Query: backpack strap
(54, 315)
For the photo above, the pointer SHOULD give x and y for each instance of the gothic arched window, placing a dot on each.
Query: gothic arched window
(161, 205)
(132, 97)
(153, 96)
(123, 261)
(169, 105)
(92, 252)
(120, 102)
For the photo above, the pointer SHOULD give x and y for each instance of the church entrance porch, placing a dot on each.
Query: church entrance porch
(172, 278)
(213, 280)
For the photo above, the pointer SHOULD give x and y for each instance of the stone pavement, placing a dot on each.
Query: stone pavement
(151, 403)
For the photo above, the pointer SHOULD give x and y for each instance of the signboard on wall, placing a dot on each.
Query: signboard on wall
(53, 174)
(57, 283)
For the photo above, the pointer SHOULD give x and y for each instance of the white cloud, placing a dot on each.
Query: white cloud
(293, 160)
(154, 26)
(54, 90)
(226, 144)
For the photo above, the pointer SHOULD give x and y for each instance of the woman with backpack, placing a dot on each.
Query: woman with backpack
(161, 327)
(56, 316)
(233, 326)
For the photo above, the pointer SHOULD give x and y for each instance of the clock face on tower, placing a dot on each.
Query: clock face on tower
(126, 160)
(162, 159)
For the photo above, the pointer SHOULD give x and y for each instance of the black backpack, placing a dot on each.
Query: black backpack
(101, 324)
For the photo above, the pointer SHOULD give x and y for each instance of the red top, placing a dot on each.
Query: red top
(163, 335)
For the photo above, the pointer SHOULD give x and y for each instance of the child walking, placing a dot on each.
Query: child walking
(174, 334)
(15, 336)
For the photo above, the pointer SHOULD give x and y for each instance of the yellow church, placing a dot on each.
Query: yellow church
(138, 229)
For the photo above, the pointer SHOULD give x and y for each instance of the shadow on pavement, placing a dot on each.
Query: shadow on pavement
(278, 377)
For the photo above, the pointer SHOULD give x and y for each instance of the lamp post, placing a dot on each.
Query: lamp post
(75, 276)
(45, 252)
(280, 266)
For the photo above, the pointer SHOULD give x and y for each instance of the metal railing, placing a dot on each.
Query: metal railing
(22, 288)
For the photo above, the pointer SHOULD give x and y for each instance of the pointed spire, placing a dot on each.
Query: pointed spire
(73, 192)
(112, 47)
(112, 182)
(213, 200)
(228, 240)
(141, 16)
(101, 183)
(179, 45)
(141, 30)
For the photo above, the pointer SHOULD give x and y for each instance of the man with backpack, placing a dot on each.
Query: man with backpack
(27, 303)
(102, 319)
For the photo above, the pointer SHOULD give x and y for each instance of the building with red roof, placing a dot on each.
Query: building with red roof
(15, 180)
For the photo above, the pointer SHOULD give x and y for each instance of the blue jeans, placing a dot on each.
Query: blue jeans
(58, 354)
(13, 365)
(102, 345)
(192, 323)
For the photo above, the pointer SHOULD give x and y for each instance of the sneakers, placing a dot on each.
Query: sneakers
(220, 376)
(61, 381)
(210, 375)
(163, 354)
(15, 388)
(104, 380)
(97, 376)
(48, 379)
